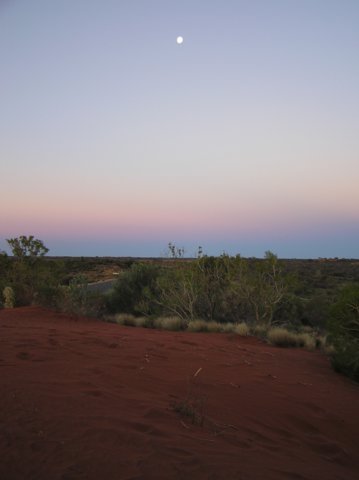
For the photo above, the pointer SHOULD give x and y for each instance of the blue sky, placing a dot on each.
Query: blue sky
(115, 140)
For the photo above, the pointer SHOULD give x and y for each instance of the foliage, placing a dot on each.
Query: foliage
(136, 290)
(177, 292)
(174, 251)
(344, 331)
(32, 278)
(29, 247)
(214, 276)
(4, 270)
(76, 298)
(263, 286)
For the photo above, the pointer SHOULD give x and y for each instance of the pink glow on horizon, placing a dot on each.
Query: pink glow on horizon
(156, 224)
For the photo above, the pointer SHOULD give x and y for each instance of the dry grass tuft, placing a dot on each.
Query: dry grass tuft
(281, 337)
(306, 341)
(227, 327)
(198, 326)
(325, 347)
(144, 322)
(242, 329)
(170, 323)
(214, 327)
(125, 319)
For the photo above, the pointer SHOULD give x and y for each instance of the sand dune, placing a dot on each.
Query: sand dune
(82, 399)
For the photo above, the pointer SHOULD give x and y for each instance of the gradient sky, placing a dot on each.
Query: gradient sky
(114, 140)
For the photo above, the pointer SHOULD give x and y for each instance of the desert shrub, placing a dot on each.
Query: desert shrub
(344, 332)
(200, 289)
(4, 271)
(170, 323)
(48, 294)
(345, 357)
(290, 310)
(213, 276)
(9, 297)
(178, 291)
(76, 298)
(316, 309)
(136, 291)
(242, 329)
(262, 285)
(28, 272)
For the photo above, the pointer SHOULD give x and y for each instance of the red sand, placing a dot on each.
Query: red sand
(82, 399)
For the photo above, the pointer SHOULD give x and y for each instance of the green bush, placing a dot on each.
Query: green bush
(75, 298)
(136, 291)
(344, 332)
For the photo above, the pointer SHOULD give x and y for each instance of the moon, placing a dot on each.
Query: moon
(179, 40)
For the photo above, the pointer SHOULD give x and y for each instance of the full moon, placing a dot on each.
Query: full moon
(179, 40)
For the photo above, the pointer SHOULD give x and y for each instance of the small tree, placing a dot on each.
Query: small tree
(174, 251)
(263, 286)
(30, 247)
(28, 272)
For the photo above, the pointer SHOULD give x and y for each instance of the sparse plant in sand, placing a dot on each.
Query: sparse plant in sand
(9, 297)
(193, 405)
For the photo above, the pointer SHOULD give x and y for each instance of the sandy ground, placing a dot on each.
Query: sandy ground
(80, 399)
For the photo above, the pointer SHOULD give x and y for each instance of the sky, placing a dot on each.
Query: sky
(115, 140)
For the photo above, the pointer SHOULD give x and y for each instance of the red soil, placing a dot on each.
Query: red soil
(81, 399)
